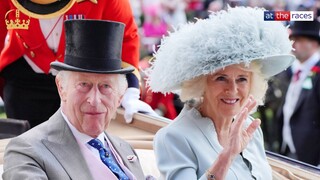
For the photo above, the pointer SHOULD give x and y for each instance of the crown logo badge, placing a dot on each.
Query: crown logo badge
(16, 23)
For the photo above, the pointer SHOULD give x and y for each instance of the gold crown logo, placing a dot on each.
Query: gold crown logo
(16, 23)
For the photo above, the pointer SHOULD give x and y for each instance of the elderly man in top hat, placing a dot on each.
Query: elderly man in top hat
(73, 143)
(34, 38)
(299, 116)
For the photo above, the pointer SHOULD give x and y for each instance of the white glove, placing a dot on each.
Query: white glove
(132, 104)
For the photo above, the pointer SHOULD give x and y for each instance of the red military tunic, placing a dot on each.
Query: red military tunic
(31, 95)
(32, 43)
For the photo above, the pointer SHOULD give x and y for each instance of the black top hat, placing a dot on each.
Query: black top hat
(93, 46)
(309, 29)
(43, 8)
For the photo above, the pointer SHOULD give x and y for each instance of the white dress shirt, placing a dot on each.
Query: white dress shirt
(292, 97)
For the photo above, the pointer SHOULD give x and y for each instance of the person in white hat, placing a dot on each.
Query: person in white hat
(220, 67)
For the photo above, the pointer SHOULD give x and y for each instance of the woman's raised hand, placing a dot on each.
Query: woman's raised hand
(239, 137)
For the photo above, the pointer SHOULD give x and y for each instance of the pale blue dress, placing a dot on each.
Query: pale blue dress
(188, 146)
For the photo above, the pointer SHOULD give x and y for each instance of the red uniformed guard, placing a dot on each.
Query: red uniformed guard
(28, 46)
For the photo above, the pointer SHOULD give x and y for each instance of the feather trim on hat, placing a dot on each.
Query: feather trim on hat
(238, 35)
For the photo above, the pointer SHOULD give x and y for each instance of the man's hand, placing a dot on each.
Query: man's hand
(132, 104)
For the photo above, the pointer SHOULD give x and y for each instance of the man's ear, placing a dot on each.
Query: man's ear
(121, 98)
(61, 89)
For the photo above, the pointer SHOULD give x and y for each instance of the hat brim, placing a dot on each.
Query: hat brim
(310, 35)
(59, 66)
(272, 65)
(39, 11)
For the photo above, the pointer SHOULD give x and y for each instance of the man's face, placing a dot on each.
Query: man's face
(304, 47)
(90, 100)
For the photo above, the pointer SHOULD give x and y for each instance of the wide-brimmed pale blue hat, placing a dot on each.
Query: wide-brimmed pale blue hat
(238, 35)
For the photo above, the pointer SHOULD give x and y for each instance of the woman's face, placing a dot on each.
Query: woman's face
(227, 90)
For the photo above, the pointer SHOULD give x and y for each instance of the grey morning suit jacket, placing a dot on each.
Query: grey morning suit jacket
(50, 151)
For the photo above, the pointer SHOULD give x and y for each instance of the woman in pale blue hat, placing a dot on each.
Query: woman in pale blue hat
(220, 67)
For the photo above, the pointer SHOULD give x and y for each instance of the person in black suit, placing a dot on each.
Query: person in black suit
(299, 115)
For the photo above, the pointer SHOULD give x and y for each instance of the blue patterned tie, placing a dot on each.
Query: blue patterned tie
(106, 157)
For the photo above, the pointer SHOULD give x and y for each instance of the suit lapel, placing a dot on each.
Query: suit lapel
(63, 145)
(207, 128)
(301, 98)
(124, 150)
(304, 92)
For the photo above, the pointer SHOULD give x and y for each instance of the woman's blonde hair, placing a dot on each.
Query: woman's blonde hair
(194, 88)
